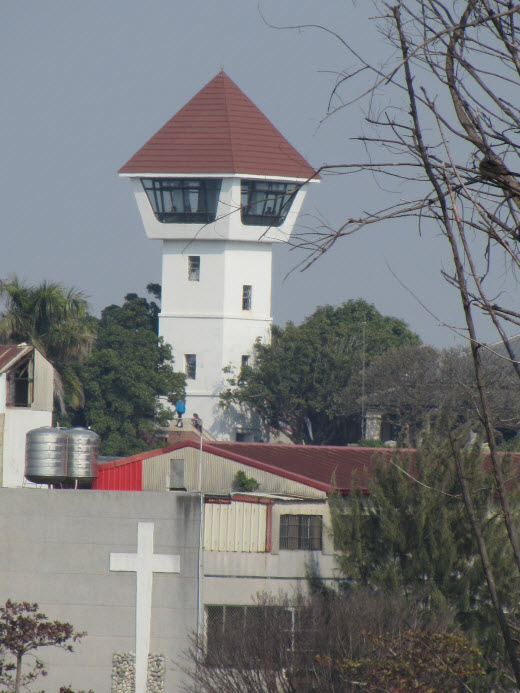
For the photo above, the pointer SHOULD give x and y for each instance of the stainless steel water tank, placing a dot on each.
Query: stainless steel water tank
(82, 454)
(46, 455)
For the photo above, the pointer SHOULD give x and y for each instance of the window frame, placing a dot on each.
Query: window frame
(225, 623)
(266, 203)
(20, 384)
(171, 199)
(194, 268)
(300, 532)
(247, 297)
(190, 366)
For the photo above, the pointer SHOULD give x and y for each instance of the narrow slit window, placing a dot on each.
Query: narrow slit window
(247, 295)
(194, 268)
(190, 366)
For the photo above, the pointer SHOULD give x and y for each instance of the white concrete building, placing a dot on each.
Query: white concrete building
(26, 401)
(218, 184)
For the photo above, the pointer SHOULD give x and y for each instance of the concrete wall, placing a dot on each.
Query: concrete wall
(18, 421)
(54, 550)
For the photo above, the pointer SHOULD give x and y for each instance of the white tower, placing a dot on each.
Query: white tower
(218, 184)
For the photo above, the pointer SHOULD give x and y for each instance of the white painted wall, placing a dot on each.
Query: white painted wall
(18, 422)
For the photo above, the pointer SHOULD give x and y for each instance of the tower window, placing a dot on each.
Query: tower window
(247, 294)
(190, 366)
(183, 200)
(193, 268)
(245, 360)
(265, 203)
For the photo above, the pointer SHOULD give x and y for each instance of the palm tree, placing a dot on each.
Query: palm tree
(55, 321)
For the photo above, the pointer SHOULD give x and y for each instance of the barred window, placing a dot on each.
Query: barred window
(183, 200)
(193, 268)
(301, 532)
(237, 635)
(190, 366)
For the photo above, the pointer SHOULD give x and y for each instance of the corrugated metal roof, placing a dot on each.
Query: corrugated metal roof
(219, 131)
(318, 466)
(321, 466)
(10, 355)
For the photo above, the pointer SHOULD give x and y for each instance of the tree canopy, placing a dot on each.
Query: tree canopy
(412, 535)
(298, 379)
(129, 378)
(55, 320)
(411, 386)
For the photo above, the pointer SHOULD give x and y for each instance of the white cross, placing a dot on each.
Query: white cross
(145, 563)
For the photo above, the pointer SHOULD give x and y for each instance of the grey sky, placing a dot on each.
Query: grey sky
(85, 84)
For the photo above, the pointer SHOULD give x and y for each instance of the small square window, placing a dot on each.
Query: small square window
(247, 293)
(244, 361)
(190, 366)
(193, 268)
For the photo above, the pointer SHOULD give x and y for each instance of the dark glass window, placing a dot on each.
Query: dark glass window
(183, 200)
(265, 203)
(193, 268)
(301, 532)
(190, 366)
(247, 295)
(20, 385)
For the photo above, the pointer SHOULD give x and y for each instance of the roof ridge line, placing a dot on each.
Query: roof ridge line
(223, 76)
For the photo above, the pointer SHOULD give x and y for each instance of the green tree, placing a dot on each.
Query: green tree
(128, 378)
(412, 534)
(54, 320)
(298, 379)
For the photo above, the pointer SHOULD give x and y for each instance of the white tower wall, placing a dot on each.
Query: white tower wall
(205, 318)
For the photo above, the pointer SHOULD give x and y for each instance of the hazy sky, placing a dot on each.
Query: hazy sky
(85, 83)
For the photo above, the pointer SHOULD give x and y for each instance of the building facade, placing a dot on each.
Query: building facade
(218, 185)
(26, 402)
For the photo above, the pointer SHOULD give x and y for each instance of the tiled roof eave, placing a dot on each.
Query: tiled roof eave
(223, 174)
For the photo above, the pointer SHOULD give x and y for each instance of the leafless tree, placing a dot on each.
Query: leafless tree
(295, 646)
(411, 386)
(442, 127)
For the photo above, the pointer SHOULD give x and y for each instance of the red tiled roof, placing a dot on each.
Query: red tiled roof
(10, 354)
(219, 131)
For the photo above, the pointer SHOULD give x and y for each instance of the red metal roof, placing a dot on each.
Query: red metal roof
(318, 466)
(219, 131)
(10, 354)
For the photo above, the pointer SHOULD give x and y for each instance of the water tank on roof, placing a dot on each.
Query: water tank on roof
(46, 455)
(82, 454)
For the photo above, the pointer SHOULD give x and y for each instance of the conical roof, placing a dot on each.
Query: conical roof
(219, 131)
